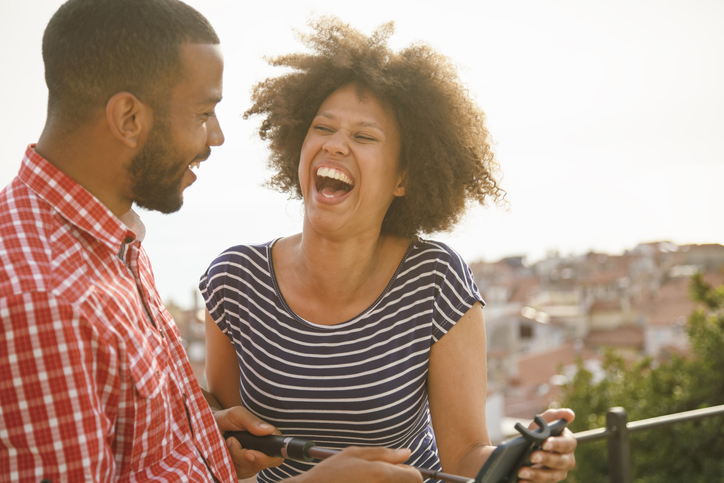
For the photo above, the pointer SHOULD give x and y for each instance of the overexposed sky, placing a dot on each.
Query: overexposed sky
(607, 117)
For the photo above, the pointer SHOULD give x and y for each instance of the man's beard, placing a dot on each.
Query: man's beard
(155, 177)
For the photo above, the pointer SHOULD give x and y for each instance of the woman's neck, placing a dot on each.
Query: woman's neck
(330, 280)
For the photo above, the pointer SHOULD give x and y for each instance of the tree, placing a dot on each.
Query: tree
(648, 388)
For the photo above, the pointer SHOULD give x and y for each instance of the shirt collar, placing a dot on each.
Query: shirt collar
(76, 204)
(133, 222)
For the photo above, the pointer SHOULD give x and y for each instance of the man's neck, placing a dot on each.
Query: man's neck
(88, 156)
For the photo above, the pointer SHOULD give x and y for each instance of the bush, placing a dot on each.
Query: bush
(646, 388)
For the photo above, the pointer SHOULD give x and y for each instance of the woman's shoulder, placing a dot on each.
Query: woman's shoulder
(454, 276)
(441, 259)
(242, 256)
(236, 270)
(433, 249)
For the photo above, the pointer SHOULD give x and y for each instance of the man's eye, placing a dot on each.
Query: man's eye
(322, 128)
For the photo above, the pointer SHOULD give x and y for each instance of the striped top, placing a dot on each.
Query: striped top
(360, 382)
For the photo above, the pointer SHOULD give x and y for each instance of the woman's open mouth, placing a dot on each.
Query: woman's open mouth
(332, 183)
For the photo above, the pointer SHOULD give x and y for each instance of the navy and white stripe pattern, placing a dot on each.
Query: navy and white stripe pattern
(360, 382)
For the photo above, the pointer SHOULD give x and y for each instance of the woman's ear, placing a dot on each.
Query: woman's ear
(127, 118)
(401, 186)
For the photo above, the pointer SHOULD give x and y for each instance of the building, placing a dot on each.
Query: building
(542, 318)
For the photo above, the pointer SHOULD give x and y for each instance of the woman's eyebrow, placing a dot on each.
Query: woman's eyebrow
(371, 124)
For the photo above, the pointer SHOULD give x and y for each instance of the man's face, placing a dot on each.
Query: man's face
(181, 136)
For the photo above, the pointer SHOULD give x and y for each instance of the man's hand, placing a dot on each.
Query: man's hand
(362, 465)
(246, 462)
(557, 459)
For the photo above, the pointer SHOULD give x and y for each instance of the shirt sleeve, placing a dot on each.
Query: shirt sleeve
(211, 286)
(53, 390)
(456, 292)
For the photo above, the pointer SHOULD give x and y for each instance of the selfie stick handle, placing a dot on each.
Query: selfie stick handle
(304, 450)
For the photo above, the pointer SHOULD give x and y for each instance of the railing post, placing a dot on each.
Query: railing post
(619, 450)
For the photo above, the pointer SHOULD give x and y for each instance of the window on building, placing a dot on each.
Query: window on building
(526, 331)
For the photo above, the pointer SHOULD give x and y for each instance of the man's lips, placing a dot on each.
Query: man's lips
(200, 159)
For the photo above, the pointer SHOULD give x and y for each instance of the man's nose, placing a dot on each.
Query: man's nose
(215, 134)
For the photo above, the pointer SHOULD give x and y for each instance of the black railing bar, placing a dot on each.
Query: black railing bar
(603, 433)
(593, 435)
(675, 418)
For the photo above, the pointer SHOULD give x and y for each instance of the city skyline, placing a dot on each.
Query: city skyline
(605, 117)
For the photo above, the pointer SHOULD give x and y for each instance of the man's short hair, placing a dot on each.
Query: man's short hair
(93, 49)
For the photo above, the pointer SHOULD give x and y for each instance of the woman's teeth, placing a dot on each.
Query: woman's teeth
(334, 174)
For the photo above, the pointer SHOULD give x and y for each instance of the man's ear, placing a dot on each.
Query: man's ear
(127, 118)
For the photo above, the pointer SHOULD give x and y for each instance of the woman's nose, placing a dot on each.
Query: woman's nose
(337, 144)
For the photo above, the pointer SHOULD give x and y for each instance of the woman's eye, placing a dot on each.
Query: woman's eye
(365, 138)
(322, 128)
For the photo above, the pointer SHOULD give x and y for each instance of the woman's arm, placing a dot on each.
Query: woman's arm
(222, 366)
(457, 386)
(222, 377)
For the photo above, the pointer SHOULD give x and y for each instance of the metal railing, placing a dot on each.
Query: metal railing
(618, 428)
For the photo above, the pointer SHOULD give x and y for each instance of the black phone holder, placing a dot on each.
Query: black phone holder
(501, 467)
(535, 438)
(507, 459)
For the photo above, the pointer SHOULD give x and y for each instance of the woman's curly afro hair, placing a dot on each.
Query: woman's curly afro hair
(445, 146)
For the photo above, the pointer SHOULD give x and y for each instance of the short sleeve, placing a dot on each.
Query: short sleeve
(456, 291)
(211, 286)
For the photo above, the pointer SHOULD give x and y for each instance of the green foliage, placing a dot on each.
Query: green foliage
(689, 451)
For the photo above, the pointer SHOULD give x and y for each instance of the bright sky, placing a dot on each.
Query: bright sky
(607, 117)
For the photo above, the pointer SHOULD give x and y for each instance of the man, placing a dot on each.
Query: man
(94, 382)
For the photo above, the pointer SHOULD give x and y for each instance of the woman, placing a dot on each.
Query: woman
(357, 331)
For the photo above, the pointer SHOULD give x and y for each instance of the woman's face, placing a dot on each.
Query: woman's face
(348, 169)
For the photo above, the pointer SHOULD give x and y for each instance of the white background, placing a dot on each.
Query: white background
(608, 118)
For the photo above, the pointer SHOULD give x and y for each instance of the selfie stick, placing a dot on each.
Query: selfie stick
(305, 450)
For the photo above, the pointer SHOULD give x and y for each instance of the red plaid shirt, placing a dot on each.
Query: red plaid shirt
(94, 382)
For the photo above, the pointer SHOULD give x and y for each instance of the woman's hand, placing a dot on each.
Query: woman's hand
(247, 462)
(557, 459)
(362, 465)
